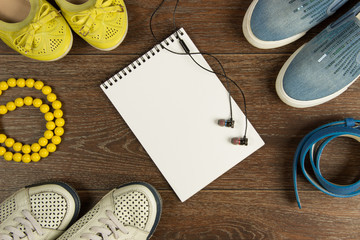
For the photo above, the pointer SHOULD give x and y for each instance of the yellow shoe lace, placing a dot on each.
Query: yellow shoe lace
(86, 18)
(26, 39)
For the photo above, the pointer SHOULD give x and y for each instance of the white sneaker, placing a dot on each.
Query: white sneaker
(38, 212)
(129, 212)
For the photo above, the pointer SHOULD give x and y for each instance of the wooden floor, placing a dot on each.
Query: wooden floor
(255, 199)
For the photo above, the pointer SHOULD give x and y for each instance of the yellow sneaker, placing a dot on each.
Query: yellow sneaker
(43, 35)
(102, 23)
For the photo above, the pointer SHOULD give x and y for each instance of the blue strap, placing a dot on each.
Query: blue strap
(326, 133)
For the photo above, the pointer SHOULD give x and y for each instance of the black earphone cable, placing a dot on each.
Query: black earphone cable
(204, 68)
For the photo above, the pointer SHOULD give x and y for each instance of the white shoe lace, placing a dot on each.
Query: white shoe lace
(103, 233)
(32, 227)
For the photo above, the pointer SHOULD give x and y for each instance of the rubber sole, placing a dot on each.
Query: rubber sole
(256, 42)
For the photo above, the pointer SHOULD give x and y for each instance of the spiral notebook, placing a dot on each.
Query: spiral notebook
(172, 106)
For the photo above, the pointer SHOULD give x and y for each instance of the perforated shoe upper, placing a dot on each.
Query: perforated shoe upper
(44, 34)
(40, 212)
(102, 23)
(129, 212)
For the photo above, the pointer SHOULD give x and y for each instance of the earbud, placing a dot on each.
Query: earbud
(240, 141)
(227, 123)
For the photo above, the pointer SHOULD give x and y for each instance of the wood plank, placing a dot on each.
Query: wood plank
(214, 26)
(97, 138)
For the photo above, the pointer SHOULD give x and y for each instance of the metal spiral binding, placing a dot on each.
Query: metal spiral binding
(132, 66)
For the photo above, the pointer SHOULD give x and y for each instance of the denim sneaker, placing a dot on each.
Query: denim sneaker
(129, 212)
(275, 23)
(38, 212)
(325, 67)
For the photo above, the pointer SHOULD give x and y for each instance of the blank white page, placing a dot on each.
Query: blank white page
(172, 106)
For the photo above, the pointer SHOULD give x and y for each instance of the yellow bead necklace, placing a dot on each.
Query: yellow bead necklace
(54, 125)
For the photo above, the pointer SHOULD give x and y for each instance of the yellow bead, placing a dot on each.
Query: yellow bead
(19, 102)
(46, 90)
(3, 85)
(57, 104)
(9, 142)
(28, 101)
(3, 109)
(44, 153)
(2, 138)
(56, 140)
(35, 147)
(37, 102)
(26, 158)
(51, 97)
(49, 116)
(8, 156)
(60, 122)
(43, 141)
(44, 108)
(2, 151)
(35, 157)
(50, 125)
(38, 85)
(11, 106)
(48, 134)
(11, 82)
(20, 82)
(59, 131)
(51, 147)
(29, 82)
(17, 146)
(26, 148)
(0, 92)
(17, 157)
(58, 113)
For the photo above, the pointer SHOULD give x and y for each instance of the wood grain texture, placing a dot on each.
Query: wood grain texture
(255, 199)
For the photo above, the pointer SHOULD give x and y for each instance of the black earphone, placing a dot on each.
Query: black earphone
(222, 122)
